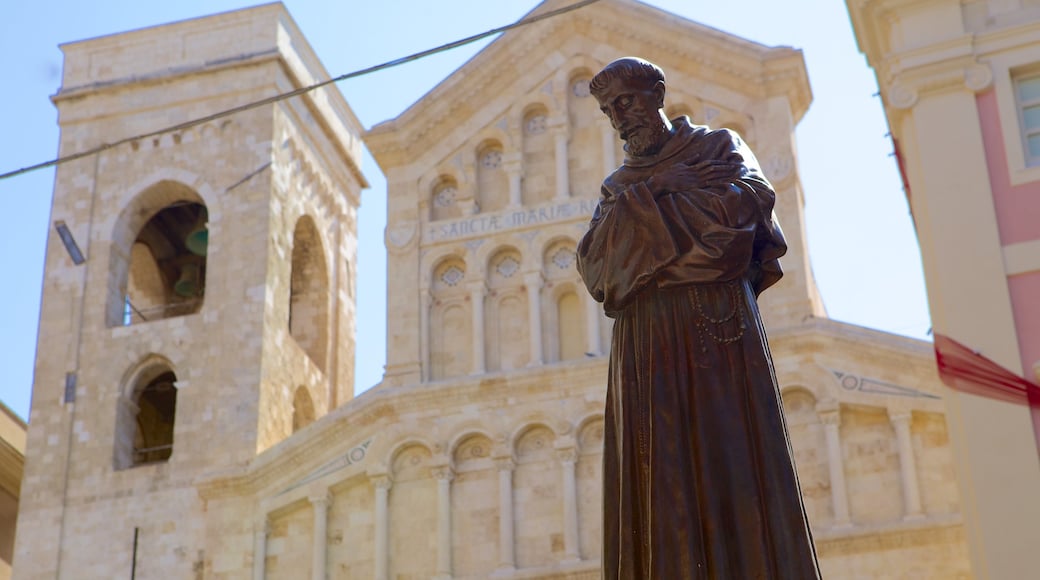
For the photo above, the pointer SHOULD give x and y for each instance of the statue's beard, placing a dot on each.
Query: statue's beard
(644, 141)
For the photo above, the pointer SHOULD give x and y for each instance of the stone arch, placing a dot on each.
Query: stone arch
(146, 413)
(589, 479)
(537, 156)
(450, 338)
(569, 319)
(811, 378)
(558, 258)
(443, 197)
(492, 181)
(566, 325)
(504, 265)
(506, 311)
(303, 409)
(309, 292)
(810, 452)
(584, 163)
(474, 505)
(158, 255)
(448, 273)
(532, 421)
(449, 330)
(537, 495)
(412, 510)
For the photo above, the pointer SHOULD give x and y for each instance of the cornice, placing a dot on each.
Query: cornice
(375, 412)
(864, 338)
(961, 73)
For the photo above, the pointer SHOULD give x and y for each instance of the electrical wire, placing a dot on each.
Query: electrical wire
(302, 90)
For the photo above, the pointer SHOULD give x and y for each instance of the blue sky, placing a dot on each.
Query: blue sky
(862, 246)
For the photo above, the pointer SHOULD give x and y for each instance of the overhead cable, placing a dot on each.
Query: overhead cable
(302, 90)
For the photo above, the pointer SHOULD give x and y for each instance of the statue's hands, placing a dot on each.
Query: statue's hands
(684, 177)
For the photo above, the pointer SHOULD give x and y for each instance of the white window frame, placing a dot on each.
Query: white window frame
(1008, 69)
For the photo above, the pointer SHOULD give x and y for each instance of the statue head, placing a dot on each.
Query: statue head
(630, 92)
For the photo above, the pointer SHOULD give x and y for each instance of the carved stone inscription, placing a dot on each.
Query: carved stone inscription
(484, 224)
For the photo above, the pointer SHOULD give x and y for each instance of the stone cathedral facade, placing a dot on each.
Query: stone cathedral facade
(193, 410)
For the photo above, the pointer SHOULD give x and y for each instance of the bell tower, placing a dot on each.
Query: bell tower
(198, 298)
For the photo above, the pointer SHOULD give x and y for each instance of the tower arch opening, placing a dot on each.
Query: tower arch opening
(147, 416)
(159, 256)
(309, 292)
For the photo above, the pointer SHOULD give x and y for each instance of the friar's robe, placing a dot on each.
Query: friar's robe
(699, 479)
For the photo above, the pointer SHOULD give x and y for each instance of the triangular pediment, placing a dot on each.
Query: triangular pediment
(718, 69)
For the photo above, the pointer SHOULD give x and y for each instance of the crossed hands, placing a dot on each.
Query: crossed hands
(698, 175)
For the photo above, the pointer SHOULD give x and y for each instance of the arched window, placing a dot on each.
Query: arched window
(158, 259)
(146, 417)
(309, 292)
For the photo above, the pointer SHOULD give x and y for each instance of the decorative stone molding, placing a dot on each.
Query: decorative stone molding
(906, 87)
(978, 77)
(901, 96)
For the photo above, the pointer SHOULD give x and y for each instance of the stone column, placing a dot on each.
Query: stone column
(831, 418)
(425, 302)
(608, 140)
(444, 474)
(562, 176)
(592, 316)
(515, 173)
(319, 547)
(382, 483)
(477, 291)
(907, 465)
(506, 557)
(263, 528)
(533, 282)
(568, 459)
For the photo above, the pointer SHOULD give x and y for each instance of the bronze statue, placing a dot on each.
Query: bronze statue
(699, 481)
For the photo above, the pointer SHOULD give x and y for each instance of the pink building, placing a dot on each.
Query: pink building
(960, 81)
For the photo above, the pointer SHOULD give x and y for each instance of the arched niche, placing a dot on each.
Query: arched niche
(506, 319)
(537, 154)
(590, 487)
(309, 292)
(158, 257)
(450, 327)
(412, 513)
(537, 490)
(474, 507)
(570, 323)
(584, 164)
(444, 198)
(492, 181)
